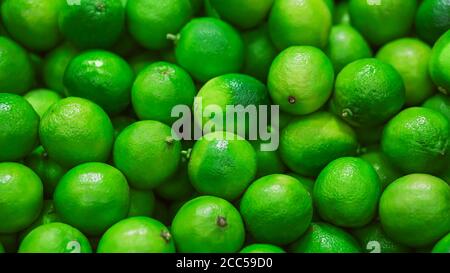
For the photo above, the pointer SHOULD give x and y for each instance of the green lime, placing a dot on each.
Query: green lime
(309, 143)
(208, 47)
(150, 21)
(299, 22)
(16, 69)
(221, 92)
(120, 123)
(368, 92)
(259, 53)
(222, 164)
(21, 197)
(92, 24)
(277, 209)
(325, 238)
(268, 162)
(440, 103)
(48, 170)
(308, 184)
(242, 13)
(137, 235)
(415, 210)
(42, 99)
(33, 23)
(389, 19)
(47, 215)
(384, 168)
(158, 89)
(417, 140)
(147, 147)
(76, 130)
(432, 19)
(347, 191)
(102, 77)
(341, 14)
(410, 58)
(313, 82)
(439, 63)
(208, 224)
(177, 187)
(373, 239)
(142, 203)
(92, 197)
(262, 248)
(443, 246)
(18, 128)
(54, 66)
(346, 45)
(55, 238)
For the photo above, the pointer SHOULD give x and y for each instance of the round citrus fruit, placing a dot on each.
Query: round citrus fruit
(440, 103)
(21, 197)
(373, 239)
(76, 130)
(42, 99)
(443, 246)
(415, 210)
(439, 63)
(208, 224)
(142, 203)
(262, 248)
(386, 171)
(137, 235)
(102, 77)
(417, 140)
(341, 14)
(147, 154)
(276, 209)
(48, 215)
(432, 19)
(309, 143)
(368, 92)
(312, 84)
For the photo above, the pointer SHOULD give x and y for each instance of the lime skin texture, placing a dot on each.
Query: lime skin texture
(262, 248)
(208, 224)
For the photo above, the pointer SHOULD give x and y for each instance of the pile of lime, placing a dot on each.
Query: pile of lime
(89, 161)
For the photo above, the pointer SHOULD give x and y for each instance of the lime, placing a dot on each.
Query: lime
(177, 187)
(137, 235)
(102, 77)
(268, 162)
(242, 13)
(16, 69)
(346, 192)
(325, 238)
(410, 58)
(42, 99)
(262, 248)
(142, 203)
(48, 170)
(159, 88)
(417, 140)
(439, 63)
(440, 103)
(55, 238)
(140, 61)
(18, 128)
(277, 209)
(384, 168)
(415, 210)
(21, 197)
(222, 164)
(309, 143)
(208, 224)
(33, 23)
(92, 197)
(75, 130)
(54, 66)
(149, 21)
(47, 215)
(395, 17)
(230, 90)
(299, 22)
(443, 246)
(313, 82)
(341, 14)
(432, 19)
(208, 47)
(120, 123)
(373, 239)
(346, 45)
(368, 92)
(259, 53)
(92, 24)
(147, 147)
